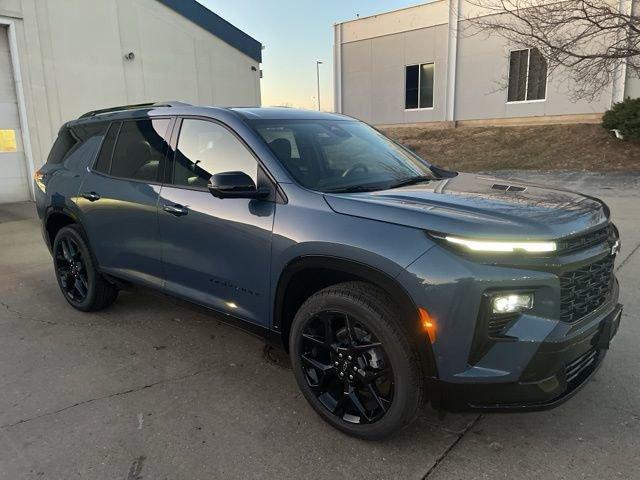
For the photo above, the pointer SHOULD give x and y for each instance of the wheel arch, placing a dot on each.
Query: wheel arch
(306, 275)
(56, 218)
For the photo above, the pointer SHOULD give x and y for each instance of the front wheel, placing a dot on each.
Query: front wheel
(353, 361)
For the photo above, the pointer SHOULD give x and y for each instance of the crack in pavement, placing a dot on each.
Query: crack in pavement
(22, 316)
(448, 450)
(105, 397)
(628, 257)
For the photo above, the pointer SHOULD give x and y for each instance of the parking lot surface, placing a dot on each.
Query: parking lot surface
(153, 389)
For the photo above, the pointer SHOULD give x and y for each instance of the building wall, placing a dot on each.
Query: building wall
(482, 73)
(373, 52)
(374, 69)
(72, 60)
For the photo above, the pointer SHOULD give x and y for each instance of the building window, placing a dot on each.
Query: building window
(527, 76)
(418, 86)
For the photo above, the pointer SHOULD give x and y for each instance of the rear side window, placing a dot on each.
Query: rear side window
(103, 163)
(61, 147)
(139, 150)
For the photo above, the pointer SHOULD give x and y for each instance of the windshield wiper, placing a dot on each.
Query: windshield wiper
(354, 188)
(411, 181)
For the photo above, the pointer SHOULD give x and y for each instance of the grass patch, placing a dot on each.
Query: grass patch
(546, 147)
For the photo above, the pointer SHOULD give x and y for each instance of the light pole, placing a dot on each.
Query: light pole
(318, 63)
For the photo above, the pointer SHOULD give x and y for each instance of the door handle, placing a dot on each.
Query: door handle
(177, 210)
(91, 196)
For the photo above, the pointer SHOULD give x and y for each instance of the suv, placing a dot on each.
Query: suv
(389, 281)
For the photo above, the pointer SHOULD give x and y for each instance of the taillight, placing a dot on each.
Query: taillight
(38, 178)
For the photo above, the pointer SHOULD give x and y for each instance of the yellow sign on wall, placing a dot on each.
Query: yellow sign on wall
(8, 141)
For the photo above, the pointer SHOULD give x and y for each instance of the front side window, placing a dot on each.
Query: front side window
(419, 86)
(527, 75)
(206, 148)
(139, 149)
(340, 155)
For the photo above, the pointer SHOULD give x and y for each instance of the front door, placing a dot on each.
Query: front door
(216, 252)
(119, 200)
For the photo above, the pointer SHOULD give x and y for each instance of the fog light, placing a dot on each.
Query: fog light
(513, 302)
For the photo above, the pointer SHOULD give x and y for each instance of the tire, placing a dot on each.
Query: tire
(373, 320)
(78, 278)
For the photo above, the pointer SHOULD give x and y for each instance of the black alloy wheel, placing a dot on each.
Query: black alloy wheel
(70, 267)
(354, 360)
(76, 271)
(346, 367)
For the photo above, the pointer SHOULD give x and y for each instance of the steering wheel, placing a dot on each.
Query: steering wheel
(358, 166)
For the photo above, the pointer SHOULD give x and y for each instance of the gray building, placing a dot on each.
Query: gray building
(419, 65)
(62, 58)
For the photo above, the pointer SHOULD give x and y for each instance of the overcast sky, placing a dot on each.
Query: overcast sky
(296, 33)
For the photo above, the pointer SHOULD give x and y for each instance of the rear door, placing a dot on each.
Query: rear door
(216, 252)
(119, 200)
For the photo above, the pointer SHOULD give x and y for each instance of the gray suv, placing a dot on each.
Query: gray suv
(390, 282)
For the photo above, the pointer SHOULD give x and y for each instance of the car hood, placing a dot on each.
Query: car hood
(476, 206)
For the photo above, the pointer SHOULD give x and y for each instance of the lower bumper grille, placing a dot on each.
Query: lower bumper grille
(585, 289)
(582, 363)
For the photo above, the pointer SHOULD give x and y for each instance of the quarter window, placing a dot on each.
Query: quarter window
(103, 163)
(206, 148)
(419, 86)
(139, 149)
(527, 75)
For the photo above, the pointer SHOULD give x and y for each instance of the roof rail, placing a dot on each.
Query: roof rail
(124, 108)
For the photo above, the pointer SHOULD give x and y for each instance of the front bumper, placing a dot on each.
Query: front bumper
(573, 362)
(538, 363)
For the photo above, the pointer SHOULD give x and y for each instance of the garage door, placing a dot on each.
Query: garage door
(13, 168)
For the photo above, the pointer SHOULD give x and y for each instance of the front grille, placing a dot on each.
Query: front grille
(579, 365)
(585, 289)
(586, 240)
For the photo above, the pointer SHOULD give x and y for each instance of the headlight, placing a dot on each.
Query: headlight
(497, 246)
(512, 302)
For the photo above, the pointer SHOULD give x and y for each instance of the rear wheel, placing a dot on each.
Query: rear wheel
(81, 284)
(353, 362)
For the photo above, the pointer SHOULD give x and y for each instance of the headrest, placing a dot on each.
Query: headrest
(282, 148)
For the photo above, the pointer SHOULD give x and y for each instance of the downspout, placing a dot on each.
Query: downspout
(620, 75)
(452, 59)
(337, 68)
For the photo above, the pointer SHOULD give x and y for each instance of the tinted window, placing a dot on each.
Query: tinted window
(65, 142)
(76, 146)
(518, 66)
(537, 86)
(419, 86)
(103, 163)
(139, 150)
(527, 75)
(412, 75)
(206, 148)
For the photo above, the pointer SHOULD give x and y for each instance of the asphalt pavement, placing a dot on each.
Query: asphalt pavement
(152, 389)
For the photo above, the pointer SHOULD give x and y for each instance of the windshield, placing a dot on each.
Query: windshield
(338, 155)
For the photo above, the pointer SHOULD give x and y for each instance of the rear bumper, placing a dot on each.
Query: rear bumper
(572, 362)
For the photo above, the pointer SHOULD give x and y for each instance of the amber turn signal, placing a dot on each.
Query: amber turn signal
(428, 324)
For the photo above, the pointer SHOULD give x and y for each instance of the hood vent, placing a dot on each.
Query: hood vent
(508, 188)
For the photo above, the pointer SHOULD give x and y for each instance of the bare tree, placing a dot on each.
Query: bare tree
(590, 39)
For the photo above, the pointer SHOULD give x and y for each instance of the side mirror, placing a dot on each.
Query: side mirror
(235, 185)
